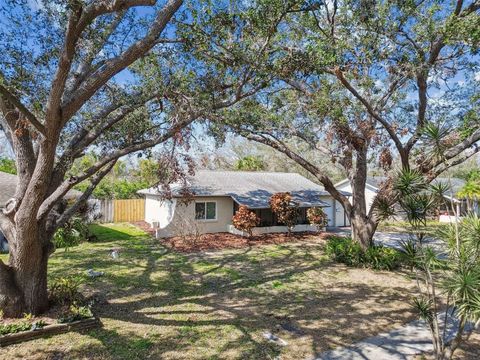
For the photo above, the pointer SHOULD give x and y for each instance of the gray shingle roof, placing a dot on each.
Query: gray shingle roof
(456, 183)
(253, 189)
(8, 183)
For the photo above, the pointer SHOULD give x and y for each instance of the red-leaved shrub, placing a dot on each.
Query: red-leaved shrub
(316, 216)
(285, 208)
(245, 220)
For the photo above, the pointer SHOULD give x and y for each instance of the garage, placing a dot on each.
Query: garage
(330, 210)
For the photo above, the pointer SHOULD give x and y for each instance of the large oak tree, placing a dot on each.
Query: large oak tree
(369, 82)
(112, 77)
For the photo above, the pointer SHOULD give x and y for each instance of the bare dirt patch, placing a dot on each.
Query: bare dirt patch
(220, 241)
(470, 350)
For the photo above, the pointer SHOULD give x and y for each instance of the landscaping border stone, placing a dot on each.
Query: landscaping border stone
(54, 329)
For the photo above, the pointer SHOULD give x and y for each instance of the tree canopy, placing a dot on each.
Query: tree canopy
(367, 83)
(108, 78)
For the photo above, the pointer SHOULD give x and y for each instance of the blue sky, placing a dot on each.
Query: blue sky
(126, 77)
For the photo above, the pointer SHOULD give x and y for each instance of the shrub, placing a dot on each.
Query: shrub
(65, 290)
(285, 208)
(115, 189)
(72, 234)
(344, 250)
(8, 165)
(382, 258)
(349, 252)
(316, 216)
(14, 328)
(245, 220)
(76, 313)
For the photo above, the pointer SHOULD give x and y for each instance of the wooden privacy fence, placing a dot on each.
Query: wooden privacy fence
(120, 210)
(128, 210)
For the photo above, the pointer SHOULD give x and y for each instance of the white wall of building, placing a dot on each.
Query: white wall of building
(330, 210)
(370, 193)
(159, 213)
(341, 219)
(174, 218)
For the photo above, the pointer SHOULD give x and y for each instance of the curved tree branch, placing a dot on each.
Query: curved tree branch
(113, 66)
(84, 197)
(370, 109)
(23, 109)
(314, 170)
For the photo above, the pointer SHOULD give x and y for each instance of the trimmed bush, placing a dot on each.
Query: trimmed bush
(317, 216)
(285, 208)
(245, 220)
(349, 252)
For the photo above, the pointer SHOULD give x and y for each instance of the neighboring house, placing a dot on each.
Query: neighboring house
(218, 194)
(375, 182)
(8, 184)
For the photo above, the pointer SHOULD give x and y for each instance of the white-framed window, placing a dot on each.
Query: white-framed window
(205, 210)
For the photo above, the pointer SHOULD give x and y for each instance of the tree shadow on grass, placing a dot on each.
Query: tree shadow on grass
(224, 302)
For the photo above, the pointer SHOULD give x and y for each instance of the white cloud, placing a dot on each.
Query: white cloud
(35, 4)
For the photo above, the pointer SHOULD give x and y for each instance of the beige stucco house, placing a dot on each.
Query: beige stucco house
(218, 194)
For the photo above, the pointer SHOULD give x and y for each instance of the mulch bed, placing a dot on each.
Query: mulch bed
(220, 241)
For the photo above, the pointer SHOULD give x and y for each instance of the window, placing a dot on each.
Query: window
(206, 210)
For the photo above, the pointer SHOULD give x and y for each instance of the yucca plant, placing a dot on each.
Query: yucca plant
(448, 281)
(436, 139)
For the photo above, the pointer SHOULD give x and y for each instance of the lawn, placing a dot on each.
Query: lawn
(160, 304)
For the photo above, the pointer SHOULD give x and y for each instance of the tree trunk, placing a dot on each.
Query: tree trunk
(23, 282)
(363, 227)
(363, 230)
(11, 299)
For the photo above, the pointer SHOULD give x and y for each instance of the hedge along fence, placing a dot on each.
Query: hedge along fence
(119, 210)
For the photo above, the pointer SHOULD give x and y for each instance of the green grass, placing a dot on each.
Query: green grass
(165, 305)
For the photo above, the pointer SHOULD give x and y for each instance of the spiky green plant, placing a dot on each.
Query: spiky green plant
(409, 182)
(435, 138)
(451, 274)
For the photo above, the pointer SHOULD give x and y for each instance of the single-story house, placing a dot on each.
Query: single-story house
(375, 182)
(218, 194)
(8, 185)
